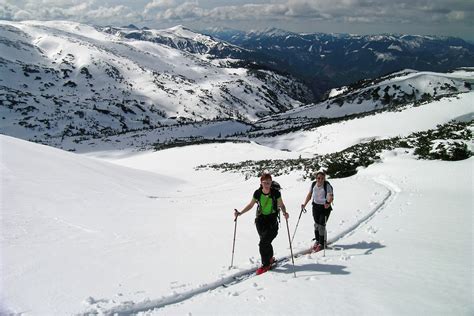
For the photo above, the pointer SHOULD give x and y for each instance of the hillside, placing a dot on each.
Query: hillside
(117, 230)
(63, 79)
(326, 61)
(93, 237)
(393, 93)
(421, 99)
(80, 87)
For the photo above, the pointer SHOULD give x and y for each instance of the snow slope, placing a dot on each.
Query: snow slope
(404, 87)
(338, 136)
(118, 231)
(81, 235)
(62, 214)
(413, 257)
(110, 234)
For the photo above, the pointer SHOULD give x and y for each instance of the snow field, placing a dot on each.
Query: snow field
(111, 235)
(413, 257)
(119, 236)
(122, 237)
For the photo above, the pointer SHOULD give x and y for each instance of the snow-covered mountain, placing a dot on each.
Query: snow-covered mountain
(398, 92)
(181, 38)
(62, 79)
(330, 60)
(393, 92)
(66, 83)
(123, 229)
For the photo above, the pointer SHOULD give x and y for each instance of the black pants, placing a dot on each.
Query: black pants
(321, 216)
(267, 228)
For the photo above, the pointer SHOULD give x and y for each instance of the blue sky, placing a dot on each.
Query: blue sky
(434, 17)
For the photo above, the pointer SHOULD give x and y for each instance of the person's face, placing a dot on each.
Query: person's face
(266, 183)
(320, 178)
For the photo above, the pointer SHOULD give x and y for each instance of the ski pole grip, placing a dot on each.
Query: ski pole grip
(236, 214)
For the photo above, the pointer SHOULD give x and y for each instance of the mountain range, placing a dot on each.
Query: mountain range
(68, 84)
(62, 79)
(326, 61)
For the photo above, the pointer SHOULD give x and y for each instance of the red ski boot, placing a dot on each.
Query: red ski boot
(317, 247)
(264, 269)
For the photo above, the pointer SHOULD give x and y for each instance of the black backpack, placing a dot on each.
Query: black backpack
(274, 187)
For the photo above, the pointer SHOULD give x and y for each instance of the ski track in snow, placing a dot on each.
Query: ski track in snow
(134, 308)
(63, 222)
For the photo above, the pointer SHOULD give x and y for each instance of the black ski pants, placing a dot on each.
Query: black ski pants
(321, 216)
(267, 228)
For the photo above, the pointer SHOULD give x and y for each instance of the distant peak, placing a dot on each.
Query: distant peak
(273, 31)
(182, 31)
(131, 26)
(179, 28)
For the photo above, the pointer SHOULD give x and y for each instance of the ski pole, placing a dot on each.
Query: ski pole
(303, 210)
(291, 248)
(325, 236)
(233, 244)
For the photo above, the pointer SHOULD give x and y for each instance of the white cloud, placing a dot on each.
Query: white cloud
(370, 12)
(7, 12)
(366, 11)
(159, 5)
(456, 15)
(108, 13)
(88, 11)
(185, 11)
(246, 12)
(298, 8)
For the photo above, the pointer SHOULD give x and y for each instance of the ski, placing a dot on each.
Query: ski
(311, 251)
(277, 263)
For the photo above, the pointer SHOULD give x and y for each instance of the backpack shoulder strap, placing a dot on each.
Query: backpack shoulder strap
(326, 184)
(257, 194)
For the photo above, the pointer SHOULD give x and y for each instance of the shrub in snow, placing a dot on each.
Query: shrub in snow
(447, 142)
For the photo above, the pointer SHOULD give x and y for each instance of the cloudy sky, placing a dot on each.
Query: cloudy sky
(435, 17)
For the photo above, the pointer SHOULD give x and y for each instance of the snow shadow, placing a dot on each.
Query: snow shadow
(369, 247)
(329, 269)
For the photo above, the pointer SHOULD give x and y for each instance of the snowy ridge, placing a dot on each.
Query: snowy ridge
(402, 91)
(60, 80)
(398, 92)
(339, 135)
(397, 89)
(69, 85)
(178, 37)
(243, 275)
